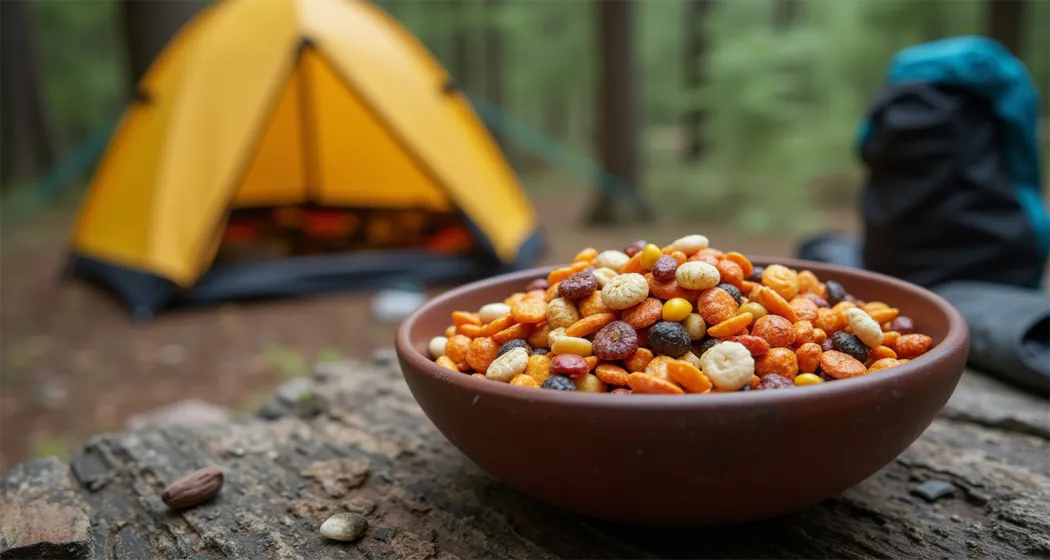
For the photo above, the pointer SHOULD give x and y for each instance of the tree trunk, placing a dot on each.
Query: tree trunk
(148, 26)
(617, 125)
(493, 58)
(1006, 22)
(27, 142)
(784, 13)
(695, 50)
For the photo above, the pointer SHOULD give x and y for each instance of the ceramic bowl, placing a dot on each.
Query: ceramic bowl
(713, 459)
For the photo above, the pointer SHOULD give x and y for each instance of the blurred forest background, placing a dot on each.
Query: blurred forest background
(740, 112)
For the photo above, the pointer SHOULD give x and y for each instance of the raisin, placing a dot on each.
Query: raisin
(667, 337)
(774, 381)
(828, 344)
(538, 284)
(664, 268)
(836, 293)
(732, 290)
(621, 391)
(569, 364)
(512, 344)
(579, 285)
(850, 344)
(615, 341)
(559, 383)
(903, 325)
(821, 302)
(756, 274)
(635, 248)
(705, 344)
(540, 351)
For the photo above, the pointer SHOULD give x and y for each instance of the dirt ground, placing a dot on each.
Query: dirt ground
(74, 364)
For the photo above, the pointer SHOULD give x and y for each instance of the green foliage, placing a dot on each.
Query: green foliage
(783, 106)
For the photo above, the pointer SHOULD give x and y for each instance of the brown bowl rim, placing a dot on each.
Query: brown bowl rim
(956, 339)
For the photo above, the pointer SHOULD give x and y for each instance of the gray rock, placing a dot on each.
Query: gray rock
(933, 490)
(325, 371)
(42, 516)
(384, 356)
(52, 395)
(187, 412)
(295, 390)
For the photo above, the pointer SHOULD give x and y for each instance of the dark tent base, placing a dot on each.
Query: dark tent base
(147, 295)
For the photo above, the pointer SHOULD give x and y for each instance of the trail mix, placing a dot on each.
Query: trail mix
(684, 318)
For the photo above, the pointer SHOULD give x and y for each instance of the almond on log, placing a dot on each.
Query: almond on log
(194, 488)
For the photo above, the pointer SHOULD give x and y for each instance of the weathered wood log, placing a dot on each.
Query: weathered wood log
(358, 442)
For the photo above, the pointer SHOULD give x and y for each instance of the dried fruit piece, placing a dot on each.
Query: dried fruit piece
(512, 344)
(658, 367)
(585, 255)
(774, 381)
(808, 283)
(518, 331)
(754, 308)
(559, 383)
(757, 346)
(728, 365)
(529, 311)
(688, 376)
(669, 290)
(522, 380)
(670, 338)
(664, 268)
(447, 363)
(465, 318)
(615, 341)
(620, 391)
(835, 292)
(705, 344)
(634, 248)
(569, 364)
(639, 360)
(829, 321)
(775, 304)
(903, 325)
(850, 344)
(194, 488)
(781, 280)
(730, 326)
(644, 314)
(884, 363)
(840, 365)
(497, 325)
(624, 291)
(593, 305)
(589, 325)
(780, 361)
(538, 337)
(910, 346)
(611, 374)
(745, 265)
(642, 383)
(578, 286)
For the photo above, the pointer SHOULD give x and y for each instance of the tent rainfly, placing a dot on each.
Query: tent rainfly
(304, 105)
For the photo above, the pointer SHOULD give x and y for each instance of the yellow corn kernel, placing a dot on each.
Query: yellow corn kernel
(807, 379)
(650, 254)
(677, 309)
(589, 383)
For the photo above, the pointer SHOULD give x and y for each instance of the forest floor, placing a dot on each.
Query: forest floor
(75, 365)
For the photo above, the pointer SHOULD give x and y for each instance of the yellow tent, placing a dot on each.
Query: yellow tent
(292, 103)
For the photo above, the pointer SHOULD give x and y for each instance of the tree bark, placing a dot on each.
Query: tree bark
(695, 49)
(27, 145)
(493, 59)
(360, 443)
(617, 124)
(1006, 22)
(148, 27)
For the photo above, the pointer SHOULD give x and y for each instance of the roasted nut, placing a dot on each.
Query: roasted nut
(193, 489)
(611, 259)
(506, 367)
(697, 276)
(603, 275)
(690, 244)
(492, 311)
(864, 327)
(781, 280)
(695, 326)
(436, 347)
(562, 313)
(572, 345)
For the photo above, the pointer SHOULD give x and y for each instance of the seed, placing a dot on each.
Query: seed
(650, 254)
(697, 275)
(345, 526)
(437, 346)
(492, 311)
